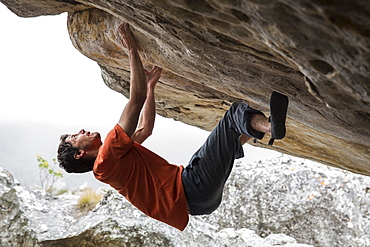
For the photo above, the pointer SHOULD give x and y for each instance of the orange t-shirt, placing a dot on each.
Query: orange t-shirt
(145, 179)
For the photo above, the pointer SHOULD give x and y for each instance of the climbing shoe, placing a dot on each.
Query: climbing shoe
(278, 110)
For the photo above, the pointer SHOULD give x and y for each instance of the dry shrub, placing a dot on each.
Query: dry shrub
(88, 200)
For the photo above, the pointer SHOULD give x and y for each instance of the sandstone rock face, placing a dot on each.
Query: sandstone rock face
(215, 52)
(35, 8)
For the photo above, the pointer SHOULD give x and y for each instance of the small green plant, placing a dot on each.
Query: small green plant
(48, 176)
(88, 200)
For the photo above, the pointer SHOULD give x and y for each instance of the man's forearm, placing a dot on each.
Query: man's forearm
(138, 84)
(147, 118)
(149, 112)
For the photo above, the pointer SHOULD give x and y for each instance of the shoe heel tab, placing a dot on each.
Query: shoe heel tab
(271, 141)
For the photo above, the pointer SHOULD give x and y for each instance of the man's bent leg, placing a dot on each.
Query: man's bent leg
(244, 139)
(205, 176)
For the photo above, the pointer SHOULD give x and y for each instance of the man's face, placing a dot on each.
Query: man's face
(85, 140)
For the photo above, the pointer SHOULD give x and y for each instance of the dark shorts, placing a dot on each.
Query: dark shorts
(205, 176)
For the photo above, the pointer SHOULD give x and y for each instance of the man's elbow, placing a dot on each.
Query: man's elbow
(141, 135)
(137, 94)
(138, 98)
(146, 132)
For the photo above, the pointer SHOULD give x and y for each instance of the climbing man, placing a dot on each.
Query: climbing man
(166, 192)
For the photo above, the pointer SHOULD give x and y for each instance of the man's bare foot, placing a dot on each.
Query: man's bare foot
(126, 38)
(260, 123)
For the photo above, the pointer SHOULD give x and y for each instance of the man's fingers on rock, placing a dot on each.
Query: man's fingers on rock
(158, 69)
(127, 27)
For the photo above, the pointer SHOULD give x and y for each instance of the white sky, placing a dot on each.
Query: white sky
(46, 81)
(43, 77)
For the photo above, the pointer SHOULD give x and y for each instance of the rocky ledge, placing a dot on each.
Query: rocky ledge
(216, 52)
(280, 202)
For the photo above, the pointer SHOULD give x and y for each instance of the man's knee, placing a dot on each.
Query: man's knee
(204, 209)
(244, 139)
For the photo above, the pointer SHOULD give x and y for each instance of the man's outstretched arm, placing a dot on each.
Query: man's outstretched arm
(138, 83)
(147, 119)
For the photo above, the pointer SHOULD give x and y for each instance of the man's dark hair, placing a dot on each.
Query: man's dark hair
(66, 152)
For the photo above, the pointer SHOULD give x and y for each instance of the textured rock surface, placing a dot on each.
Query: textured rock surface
(216, 52)
(264, 204)
(33, 218)
(33, 8)
(315, 204)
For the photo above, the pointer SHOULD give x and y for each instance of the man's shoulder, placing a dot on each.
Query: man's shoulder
(117, 133)
(116, 143)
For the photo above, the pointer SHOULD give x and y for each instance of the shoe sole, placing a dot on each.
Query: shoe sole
(278, 109)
